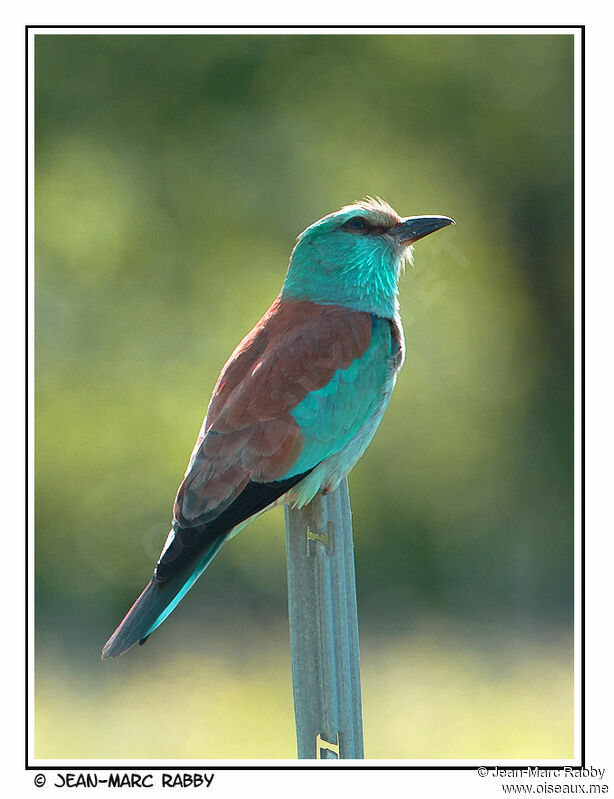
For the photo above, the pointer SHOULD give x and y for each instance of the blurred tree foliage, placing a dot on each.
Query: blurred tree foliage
(173, 174)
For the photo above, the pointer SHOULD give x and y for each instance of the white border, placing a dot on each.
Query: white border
(578, 399)
(306, 31)
(30, 398)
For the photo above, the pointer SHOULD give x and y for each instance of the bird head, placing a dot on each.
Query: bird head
(353, 257)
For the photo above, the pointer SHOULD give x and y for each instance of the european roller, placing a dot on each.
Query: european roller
(297, 402)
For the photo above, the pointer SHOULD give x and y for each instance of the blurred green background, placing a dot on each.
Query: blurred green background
(173, 174)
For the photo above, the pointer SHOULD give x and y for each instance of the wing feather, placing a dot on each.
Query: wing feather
(250, 432)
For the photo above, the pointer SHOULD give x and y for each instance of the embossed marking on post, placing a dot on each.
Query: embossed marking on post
(321, 743)
(323, 538)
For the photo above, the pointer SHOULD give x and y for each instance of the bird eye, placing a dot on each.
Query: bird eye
(356, 224)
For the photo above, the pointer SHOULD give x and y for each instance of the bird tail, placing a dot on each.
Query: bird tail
(156, 602)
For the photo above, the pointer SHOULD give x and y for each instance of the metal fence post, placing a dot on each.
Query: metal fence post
(324, 628)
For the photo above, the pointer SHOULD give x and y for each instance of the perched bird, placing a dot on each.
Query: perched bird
(297, 402)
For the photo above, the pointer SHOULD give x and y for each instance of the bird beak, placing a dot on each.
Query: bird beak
(413, 228)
